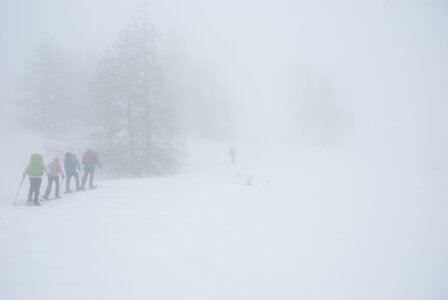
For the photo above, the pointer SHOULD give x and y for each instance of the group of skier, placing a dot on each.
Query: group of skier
(36, 168)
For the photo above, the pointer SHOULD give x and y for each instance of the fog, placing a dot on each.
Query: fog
(166, 87)
(385, 60)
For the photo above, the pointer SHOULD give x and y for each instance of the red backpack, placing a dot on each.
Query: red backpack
(88, 157)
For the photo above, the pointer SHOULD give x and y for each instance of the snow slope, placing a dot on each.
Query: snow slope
(318, 225)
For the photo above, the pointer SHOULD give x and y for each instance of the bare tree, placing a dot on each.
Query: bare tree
(47, 99)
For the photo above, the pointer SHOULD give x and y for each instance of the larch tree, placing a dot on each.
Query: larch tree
(135, 132)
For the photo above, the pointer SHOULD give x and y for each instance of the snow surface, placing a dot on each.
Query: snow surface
(306, 224)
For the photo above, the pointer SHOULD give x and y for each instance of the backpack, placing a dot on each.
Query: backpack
(88, 157)
(36, 165)
(69, 161)
(52, 168)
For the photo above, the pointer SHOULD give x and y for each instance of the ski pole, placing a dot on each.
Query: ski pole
(17, 196)
(101, 172)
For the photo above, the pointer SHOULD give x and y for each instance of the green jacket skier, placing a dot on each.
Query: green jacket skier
(35, 170)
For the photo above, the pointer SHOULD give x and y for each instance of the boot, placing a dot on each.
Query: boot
(36, 203)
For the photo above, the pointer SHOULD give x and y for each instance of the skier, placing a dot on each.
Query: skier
(89, 160)
(232, 153)
(35, 171)
(72, 167)
(54, 169)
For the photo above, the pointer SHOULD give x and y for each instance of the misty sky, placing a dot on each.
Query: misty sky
(388, 59)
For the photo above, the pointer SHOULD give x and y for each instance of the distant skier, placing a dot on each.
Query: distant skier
(90, 160)
(232, 153)
(72, 167)
(35, 171)
(54, 169)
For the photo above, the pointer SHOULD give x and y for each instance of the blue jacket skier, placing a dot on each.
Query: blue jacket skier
(72, 167)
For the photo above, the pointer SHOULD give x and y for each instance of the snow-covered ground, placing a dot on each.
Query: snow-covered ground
(300, 224)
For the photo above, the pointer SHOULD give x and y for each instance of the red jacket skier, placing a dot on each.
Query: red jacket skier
(54, 169)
